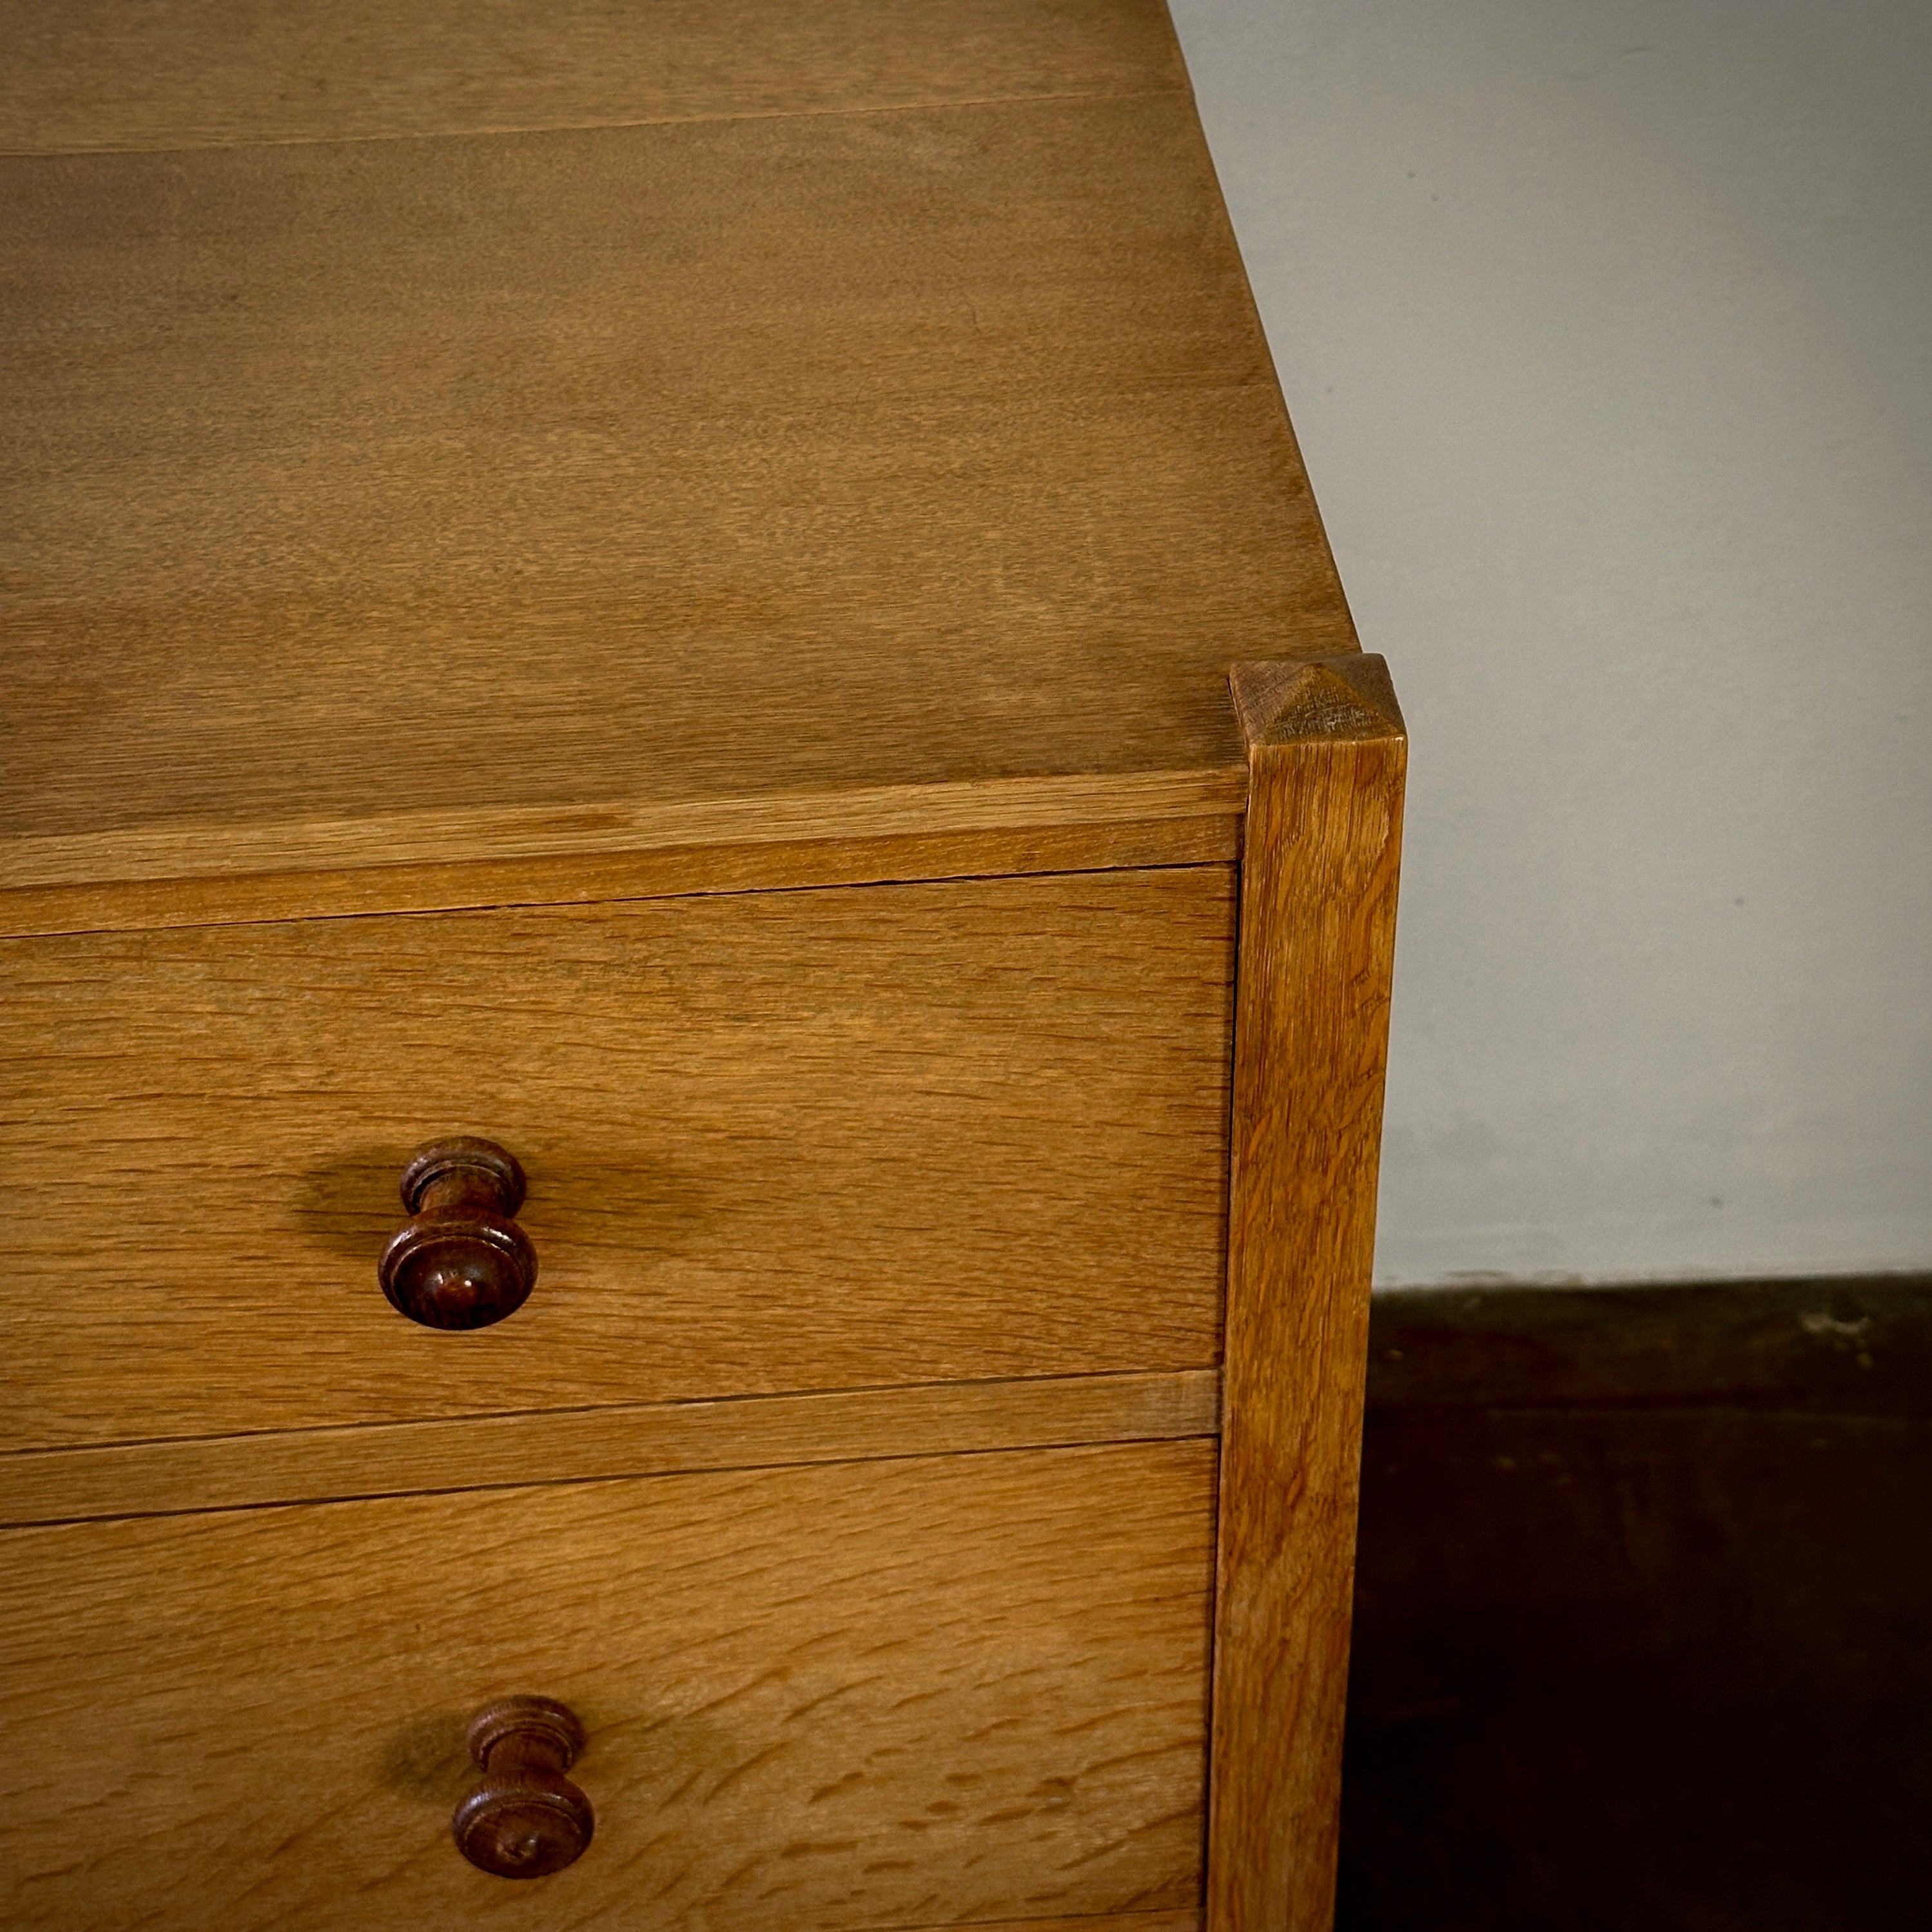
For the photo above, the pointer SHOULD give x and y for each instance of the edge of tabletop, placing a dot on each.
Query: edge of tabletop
(203, 874)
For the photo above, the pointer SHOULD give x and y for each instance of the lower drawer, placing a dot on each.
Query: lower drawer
(902, 1694)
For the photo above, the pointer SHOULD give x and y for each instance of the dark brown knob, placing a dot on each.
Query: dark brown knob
(460, 1262)
(526, 1819)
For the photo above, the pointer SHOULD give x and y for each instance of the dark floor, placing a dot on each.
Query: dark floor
(1643, 1631)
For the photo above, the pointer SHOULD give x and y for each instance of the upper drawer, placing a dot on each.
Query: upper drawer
(777, 1141)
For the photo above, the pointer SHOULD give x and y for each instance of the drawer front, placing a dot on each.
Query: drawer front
(908, 1693)
(774, 1142)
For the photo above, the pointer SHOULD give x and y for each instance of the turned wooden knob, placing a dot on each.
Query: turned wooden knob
(460, 1260)
(526, 1819)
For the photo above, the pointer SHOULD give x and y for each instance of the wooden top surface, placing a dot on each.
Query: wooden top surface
(438, 432)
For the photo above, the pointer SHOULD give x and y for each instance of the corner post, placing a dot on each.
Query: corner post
(1326, 756)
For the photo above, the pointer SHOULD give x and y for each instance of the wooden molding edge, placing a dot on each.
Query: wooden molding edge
(1188, 1919)
(199, 849)
(1207, 834)
(358, 1461)
(1327, 760)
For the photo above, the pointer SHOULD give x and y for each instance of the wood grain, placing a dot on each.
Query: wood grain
(1121, 1921)
(505, 498)
(1319, 880)
(776, 1142)
(90, 75)
(814, 1698)
(858, 815)
(764, 866)
(650, 1439)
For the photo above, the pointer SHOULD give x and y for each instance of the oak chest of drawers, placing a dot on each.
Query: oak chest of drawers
(710, 613)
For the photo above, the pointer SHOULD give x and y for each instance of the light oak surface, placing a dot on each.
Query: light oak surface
(658, 1438)
(496, 497)
(776, 1142)
(894, 1695)
(90, 75)
(410, 841)
(762, 865)
(1123, 1921)
(1319, 869)
(520, 521)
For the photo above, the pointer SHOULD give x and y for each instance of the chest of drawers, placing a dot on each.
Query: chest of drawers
(711, 610)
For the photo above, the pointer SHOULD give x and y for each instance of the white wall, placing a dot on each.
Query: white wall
(1607, 330)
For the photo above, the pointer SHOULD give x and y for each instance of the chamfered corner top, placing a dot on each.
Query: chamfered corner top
(1348, 696)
